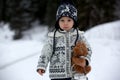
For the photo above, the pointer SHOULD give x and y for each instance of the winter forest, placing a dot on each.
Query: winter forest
(20, 14)
(24, 25)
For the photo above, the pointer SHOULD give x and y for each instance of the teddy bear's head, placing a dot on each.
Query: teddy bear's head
(80, 49)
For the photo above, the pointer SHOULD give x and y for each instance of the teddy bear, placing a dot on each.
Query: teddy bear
(79, 53)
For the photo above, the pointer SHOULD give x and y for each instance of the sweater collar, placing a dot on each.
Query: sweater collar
(64, 31)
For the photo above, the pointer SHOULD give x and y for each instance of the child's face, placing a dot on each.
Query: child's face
(66, 23)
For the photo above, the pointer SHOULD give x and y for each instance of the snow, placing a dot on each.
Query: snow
(5, 33)
(18, 59)
(105, 41)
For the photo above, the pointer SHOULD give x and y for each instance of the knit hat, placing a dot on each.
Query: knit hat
(66, 8)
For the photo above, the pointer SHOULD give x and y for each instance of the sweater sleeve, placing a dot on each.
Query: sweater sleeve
(88, 57)
(45, 56)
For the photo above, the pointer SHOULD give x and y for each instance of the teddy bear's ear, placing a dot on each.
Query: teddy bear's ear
(78, 43)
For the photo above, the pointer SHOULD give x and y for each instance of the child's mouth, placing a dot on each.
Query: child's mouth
(65, 27)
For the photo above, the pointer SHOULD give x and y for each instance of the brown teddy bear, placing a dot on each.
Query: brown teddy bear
(79, 51)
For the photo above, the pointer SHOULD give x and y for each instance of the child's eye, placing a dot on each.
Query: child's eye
(62, 20)
(69, 20)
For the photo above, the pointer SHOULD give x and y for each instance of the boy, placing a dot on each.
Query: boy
(58, 48)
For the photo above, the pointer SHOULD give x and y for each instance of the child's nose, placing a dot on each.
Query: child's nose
(65, 23)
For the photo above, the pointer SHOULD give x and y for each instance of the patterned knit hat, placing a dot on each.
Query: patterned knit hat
(66, 8)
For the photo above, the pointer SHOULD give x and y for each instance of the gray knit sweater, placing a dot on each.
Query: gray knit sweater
(60, 61)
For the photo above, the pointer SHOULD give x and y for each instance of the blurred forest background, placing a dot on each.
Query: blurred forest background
(21, 13)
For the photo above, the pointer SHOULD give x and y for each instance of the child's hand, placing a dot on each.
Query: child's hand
(41, 71)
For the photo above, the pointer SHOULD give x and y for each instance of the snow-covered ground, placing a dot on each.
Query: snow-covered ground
(18, 59)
